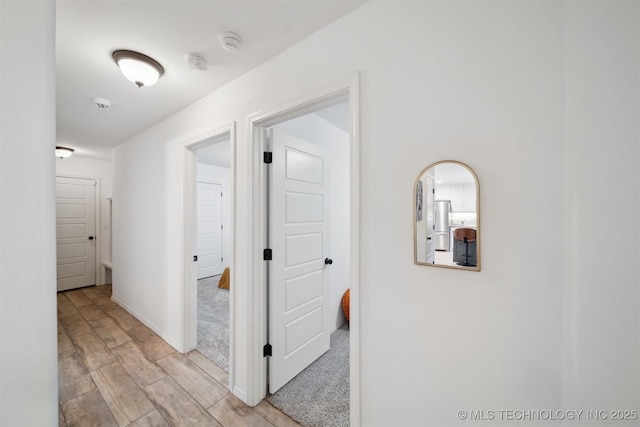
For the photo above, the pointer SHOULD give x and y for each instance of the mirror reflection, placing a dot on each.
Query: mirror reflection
(447, 216)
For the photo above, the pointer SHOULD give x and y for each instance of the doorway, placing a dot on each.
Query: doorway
(269, 327)
(308, 375)
(76, 232)
(182, 177)
(213, 237)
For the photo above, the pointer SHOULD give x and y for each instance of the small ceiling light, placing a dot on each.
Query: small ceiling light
(231, 42)
(64, 152)
(138, 68)
(196, 62)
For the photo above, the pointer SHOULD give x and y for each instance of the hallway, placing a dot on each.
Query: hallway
(115, 371)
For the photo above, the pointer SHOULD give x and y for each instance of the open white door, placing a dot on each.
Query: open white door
(75, 232)
(299, 282)
(209, 229)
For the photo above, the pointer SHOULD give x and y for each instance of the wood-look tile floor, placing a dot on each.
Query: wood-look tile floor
(115, 371)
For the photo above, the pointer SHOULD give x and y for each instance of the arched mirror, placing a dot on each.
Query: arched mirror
(446, 216)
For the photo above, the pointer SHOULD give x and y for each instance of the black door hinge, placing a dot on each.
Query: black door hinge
(267, 255)
(268, 157)
(195, 258)
(266, 350)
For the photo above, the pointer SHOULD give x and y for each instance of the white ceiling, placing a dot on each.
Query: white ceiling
(218, 151)
(217, 154)
(337, 114)
(451, 173)
(89, 31)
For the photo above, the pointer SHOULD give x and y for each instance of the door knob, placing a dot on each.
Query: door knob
(90, 237)
(328, 261)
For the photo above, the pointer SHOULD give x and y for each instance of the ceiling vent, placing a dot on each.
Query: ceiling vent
(231, 42)
(197, 62)
(102, 103)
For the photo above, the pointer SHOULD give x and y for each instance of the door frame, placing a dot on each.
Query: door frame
(347, 90)
(100, 269)
(187, 236)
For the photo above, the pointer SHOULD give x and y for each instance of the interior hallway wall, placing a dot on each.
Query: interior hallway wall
(78, 166)
(28, 356)
(138, 242)
(541, 100)
(601, 296)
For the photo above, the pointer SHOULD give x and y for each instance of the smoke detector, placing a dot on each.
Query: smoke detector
(196, 62)
(231, 42)
(102, 103)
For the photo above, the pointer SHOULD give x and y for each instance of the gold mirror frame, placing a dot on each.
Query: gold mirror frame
(417, 210)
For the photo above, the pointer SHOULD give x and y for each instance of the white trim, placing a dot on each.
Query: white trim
(184, 234)
(256, 366)
(239, 393)
(100, 269)
(145, 321)
(354, 247)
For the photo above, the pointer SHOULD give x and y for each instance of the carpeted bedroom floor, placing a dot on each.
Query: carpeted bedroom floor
(213, 321)
(317, 397)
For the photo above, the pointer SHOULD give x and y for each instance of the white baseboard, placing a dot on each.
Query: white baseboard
(337, 326)
(240, 394)
(146, 323)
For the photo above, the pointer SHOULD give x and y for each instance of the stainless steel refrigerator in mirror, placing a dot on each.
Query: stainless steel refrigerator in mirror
(441, 224)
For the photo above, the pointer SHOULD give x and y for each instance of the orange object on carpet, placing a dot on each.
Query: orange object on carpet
(346, 300)
(225, 279)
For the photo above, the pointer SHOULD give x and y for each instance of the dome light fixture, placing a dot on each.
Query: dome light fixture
(138, 68)
(63, 152)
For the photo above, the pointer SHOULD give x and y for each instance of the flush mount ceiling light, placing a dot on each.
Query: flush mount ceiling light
(138, 68)
(64, 152)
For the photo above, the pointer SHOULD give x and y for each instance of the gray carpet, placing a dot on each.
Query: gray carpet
(319, 395)
(213, 321)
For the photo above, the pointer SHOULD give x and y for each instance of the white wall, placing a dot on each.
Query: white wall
(28, 356)
(601, 166)
(85, 167)
(220, 175)
(138, 221)
(315, 129)
(541, 100)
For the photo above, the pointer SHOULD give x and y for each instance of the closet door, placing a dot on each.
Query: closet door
(210, 260)
(75, 232)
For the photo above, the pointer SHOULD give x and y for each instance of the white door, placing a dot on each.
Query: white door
(210, 260)
(299, 282)
(75, 232)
